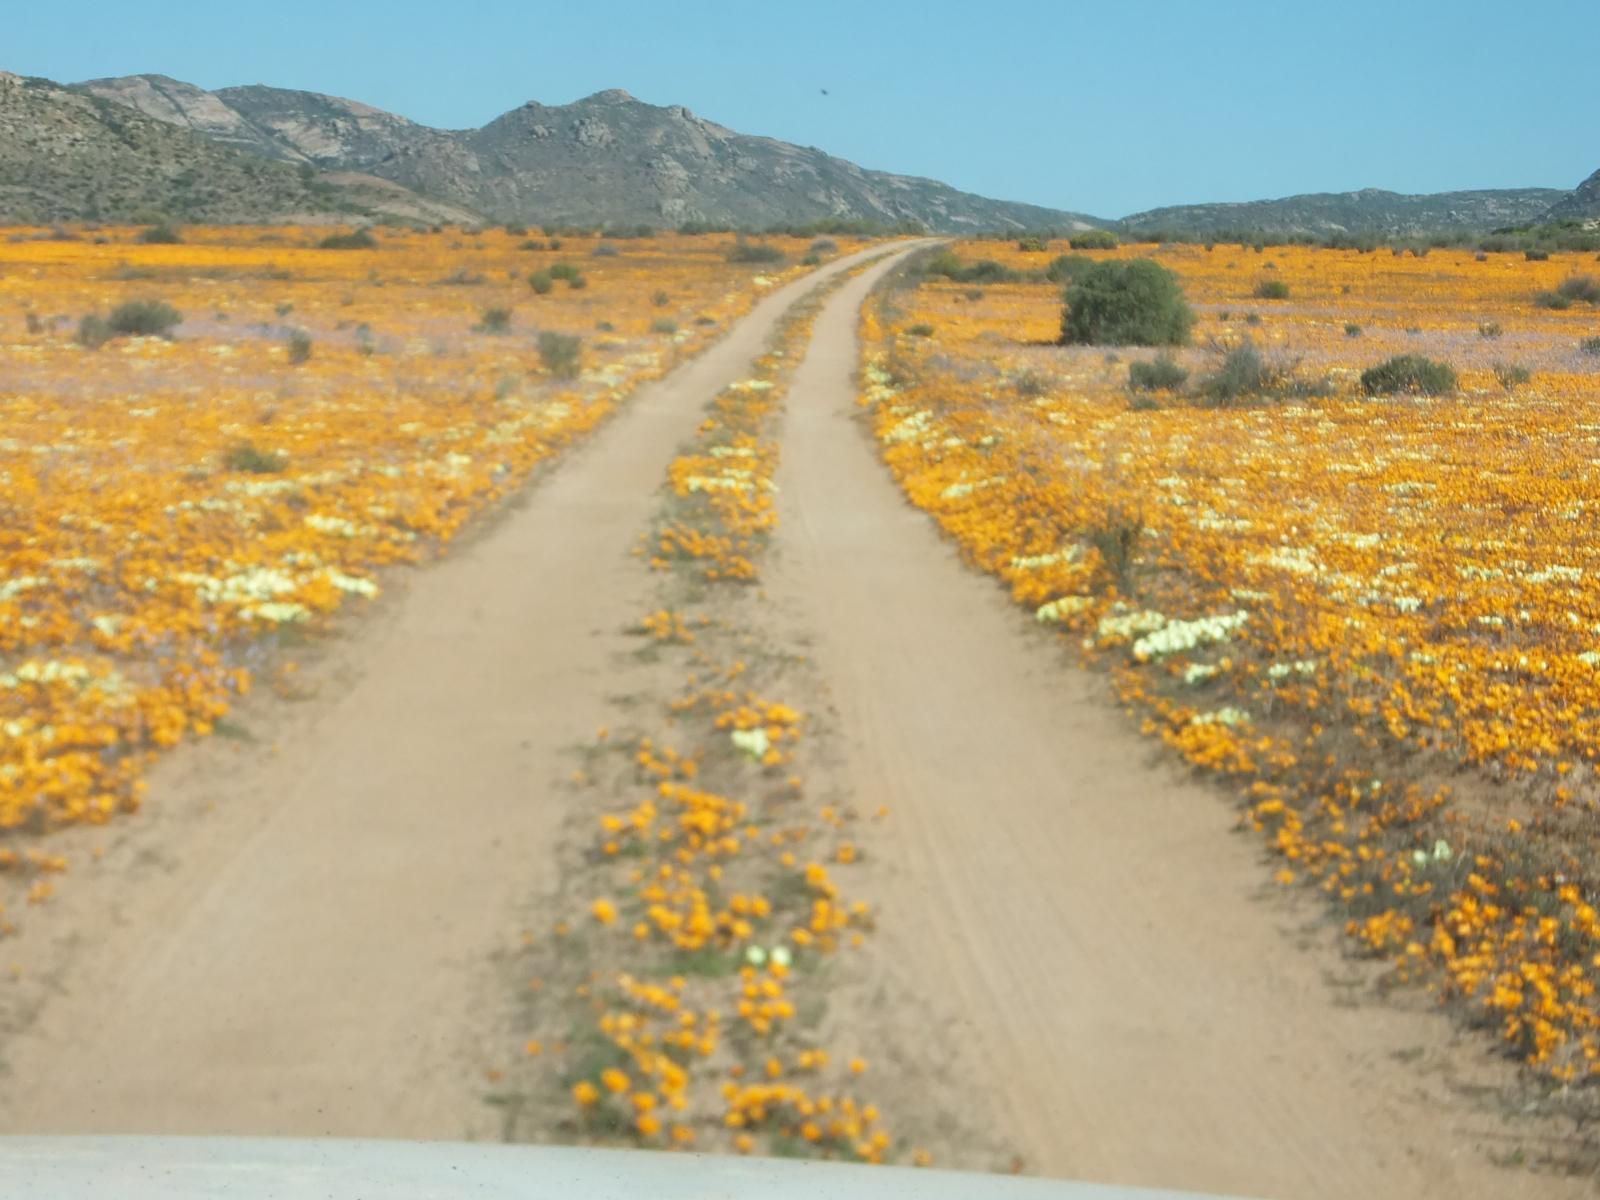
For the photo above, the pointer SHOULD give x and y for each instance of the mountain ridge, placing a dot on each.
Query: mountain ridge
(607, 158)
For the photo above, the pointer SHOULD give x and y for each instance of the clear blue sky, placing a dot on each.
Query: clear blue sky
(1106, 108)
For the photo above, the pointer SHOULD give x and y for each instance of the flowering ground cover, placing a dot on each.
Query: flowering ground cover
(1377, 616)
(248, 428)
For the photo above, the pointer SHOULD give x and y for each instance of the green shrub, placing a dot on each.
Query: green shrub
(531, 244)
(562, 270)
(1094, 239)
(1252, 318)
(754, 252)
(660, 299)
(1580, 287)
(1272, 289)
(1411, 373)
(1512, 375)
(1116, 540)
(93, 331)
(299, 347)
(246, 457)
(496, 319)
(1551, 300)
(1352, 330)
(1067, 267)
(143, 318)
(541, 282)
(461, 277)
(1137, 303)
(1243, 374)
(1030, 384)
(921, 330)
(1489, 329)
(663, 325)
(1536, 255)
(1032, 245)
(1590, 345)
(811, 260)
(561, 353)
(516, 230)
(161, 235)
(361, 239)
(957, 270)
(606, 250)
(1160, 374)
(578, 282)
(824, 246)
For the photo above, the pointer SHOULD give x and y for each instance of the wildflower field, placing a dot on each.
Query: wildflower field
(209, 445)
(1377, 617)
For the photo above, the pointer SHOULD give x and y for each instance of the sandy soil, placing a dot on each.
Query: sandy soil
(1108, 958)
(296, 941)
(294, 937)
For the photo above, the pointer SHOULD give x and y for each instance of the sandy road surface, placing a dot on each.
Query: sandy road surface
(288, 943)
(1097, 935)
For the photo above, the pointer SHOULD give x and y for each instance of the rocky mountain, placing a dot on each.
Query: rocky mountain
(1367, 211)
(66, 154)
(606, 159)
(1580, 204)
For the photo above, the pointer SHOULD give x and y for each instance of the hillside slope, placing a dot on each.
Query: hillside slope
(1369, 210)
(1581, 204)
(67, 154)
(608, 158)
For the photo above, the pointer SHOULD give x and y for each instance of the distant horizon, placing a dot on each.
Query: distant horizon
(1199, 108)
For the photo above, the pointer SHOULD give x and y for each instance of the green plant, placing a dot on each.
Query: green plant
(606, 250)
(1242, 373)
(246, 457)
(1271, 289)
(299, 347)
(824, 246)
(161, 235)
(1030, 384)
(1159, 374)
(1411, 373)
(922, 330)
(811, 260)
(561, 353)
(1066, 267)
(1252, 318)
(663, 325)
(541, 282)
(953, 268)
(1551, 300)
(754, 252)
(1580, 287)
(1351, 329)
(1536, 255)
(660, 299)
(1032, 244)
(531, 244)
(361, 239)
(563, 270)
(1094, 239)
(1590, 345)
(496, 319)
(93, 331)
(1489, 329)
(577, 283)
(1116, 540)
(1512, 375)
(1135, 303)
(143, 318)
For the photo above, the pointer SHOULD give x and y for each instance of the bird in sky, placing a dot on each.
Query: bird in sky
(824, 91)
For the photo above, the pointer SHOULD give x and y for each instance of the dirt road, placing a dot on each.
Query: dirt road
(1098, 936)
(299, 956)
(285, 943)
